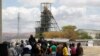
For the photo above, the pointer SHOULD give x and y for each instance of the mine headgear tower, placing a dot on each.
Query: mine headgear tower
(47, 23)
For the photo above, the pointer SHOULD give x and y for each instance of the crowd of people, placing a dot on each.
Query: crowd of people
(42, 47)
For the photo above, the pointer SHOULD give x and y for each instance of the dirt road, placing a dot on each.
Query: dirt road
(92, 51)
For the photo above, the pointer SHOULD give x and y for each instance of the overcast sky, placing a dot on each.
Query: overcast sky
(85, 14)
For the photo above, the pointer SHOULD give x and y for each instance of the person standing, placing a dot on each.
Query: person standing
(27, 50)
(32, 42)
(69, 49)
(65, 50)
(59, 50)
(12, 51)
(79, 50)
(73, 50)
(53, 50)
(18, 49)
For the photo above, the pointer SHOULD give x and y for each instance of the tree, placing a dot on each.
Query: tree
(68, 27)
(84, 35)
(69, 32)
(97, 36)
(53, 34)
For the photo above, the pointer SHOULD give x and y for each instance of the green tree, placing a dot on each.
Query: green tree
(68, 27)
(84, 35)
(97, 36)
(70, 32)
(53, 34)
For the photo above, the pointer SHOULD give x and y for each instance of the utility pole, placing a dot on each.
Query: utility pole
(18, 27)
(1, 39)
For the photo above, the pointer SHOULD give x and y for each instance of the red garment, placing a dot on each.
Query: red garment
(73, 50)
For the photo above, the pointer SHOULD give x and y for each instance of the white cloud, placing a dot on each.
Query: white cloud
(64, 12)
(69, 12)
(71, 3)
(33, 3)
(28, 16)
(94, 19)
(69, 15)
(95, 3)
(77, 16)
(9, 12)
(81, 3)
(90, 22)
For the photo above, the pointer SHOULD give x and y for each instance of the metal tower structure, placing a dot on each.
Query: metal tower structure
(47, 22)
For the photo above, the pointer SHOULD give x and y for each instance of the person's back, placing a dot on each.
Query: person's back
(18, 49)
(53, 50)
(26, 51)
(12, 52)
(69, 54)
(32, 40)
(34, 50)
(65, 49)
(4, 49)
(59, 50)
(79, 50)
(73, 50)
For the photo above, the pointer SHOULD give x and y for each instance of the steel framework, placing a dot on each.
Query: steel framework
(47, 22)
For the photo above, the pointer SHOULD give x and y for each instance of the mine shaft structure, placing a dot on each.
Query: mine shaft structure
(47, 22)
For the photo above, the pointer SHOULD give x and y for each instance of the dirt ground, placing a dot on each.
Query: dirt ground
(92, 51)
